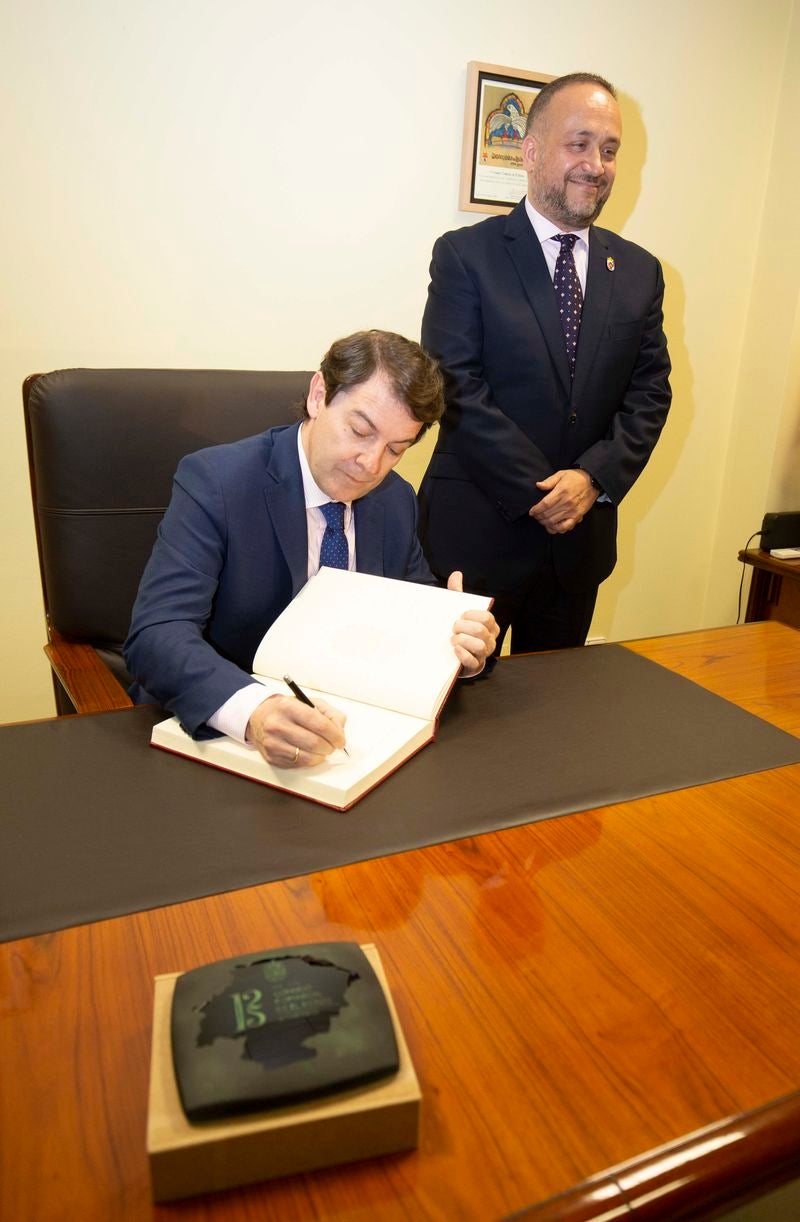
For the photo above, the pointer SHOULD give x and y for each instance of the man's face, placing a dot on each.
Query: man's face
(571, 160)
(353, 442)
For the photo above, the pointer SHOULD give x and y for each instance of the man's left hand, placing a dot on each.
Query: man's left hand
(474, 634)
(570, 496)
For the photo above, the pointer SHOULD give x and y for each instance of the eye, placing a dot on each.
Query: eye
(357, 432)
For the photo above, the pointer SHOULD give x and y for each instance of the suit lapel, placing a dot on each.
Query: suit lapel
(286, 504)
(369, 516)
(528, 258)
(596, 305)
(287, 511)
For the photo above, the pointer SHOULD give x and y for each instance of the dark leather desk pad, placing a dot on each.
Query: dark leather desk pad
(96, 823)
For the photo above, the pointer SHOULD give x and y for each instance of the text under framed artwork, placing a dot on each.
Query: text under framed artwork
(497, 105)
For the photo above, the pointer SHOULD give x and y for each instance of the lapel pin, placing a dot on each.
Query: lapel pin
(610, 263)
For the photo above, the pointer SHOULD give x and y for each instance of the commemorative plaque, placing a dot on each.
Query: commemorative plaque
(274, 1064)
(279, 1027)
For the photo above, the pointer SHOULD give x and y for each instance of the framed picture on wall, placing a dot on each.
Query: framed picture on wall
(497, 105)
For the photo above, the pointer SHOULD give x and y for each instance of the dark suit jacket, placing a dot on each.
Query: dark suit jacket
(512, 416)
(231, 553)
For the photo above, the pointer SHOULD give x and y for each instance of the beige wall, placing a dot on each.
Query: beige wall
(197, 184)
(760, 464)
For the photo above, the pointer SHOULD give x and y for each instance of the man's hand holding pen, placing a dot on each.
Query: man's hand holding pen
(289, 733)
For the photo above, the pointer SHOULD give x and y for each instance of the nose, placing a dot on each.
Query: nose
(370, 459)
(594, 162)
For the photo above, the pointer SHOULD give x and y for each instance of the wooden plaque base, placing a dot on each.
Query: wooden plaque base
(188, 1159)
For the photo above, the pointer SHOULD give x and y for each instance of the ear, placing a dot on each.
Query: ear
(315, 399)
(528, 153)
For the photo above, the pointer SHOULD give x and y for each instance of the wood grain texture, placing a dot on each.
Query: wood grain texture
(770, 564)
(574, 993)
(692, 1177)
(89, 684)
(766, 683)
(774, 588)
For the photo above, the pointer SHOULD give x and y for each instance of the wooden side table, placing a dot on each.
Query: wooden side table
(774, 589)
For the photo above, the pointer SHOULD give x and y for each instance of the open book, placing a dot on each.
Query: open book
(376, 648)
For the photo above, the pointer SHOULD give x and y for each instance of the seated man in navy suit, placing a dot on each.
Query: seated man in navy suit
(249, 523)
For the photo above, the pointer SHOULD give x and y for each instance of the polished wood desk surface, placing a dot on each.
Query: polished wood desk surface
(575, 993)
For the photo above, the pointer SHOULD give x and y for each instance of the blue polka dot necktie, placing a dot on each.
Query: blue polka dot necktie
(334, 553)
(568, 295)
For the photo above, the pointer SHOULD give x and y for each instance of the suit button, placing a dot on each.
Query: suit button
(573, 418)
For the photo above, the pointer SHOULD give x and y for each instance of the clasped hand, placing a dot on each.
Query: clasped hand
(570, 496)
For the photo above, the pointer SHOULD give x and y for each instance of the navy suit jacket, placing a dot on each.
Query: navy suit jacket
(513, 416)
(231, 553)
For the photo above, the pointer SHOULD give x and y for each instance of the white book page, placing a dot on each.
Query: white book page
(377, 740)
(372, 639)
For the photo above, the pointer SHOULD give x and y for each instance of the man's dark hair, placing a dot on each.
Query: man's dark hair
(413, 375)
(546, 94)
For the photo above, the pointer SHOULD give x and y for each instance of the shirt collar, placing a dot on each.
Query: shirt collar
(313, 494)
(545, 229)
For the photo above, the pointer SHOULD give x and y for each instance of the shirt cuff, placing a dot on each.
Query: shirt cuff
(232, 717)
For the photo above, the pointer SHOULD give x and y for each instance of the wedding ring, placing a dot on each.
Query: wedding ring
(296, 756)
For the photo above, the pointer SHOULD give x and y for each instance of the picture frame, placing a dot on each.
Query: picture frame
(497, 104)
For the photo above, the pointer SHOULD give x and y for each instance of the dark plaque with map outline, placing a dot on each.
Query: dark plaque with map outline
(279, 1027)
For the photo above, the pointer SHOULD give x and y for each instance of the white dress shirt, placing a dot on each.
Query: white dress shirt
(232, 717)
(547, 234)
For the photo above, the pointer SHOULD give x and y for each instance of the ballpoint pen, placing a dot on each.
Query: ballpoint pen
(303, 698)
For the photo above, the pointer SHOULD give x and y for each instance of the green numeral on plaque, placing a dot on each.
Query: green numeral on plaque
(246, 1007)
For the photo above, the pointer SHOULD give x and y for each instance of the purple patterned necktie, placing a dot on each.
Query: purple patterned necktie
(568, 295)
(334, 552)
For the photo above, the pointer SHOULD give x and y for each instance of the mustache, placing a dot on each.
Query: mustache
(594, 180)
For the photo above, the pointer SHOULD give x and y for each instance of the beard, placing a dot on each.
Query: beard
(553, 203)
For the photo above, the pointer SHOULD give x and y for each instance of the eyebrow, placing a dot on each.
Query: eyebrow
(406, 441)
(586, 131)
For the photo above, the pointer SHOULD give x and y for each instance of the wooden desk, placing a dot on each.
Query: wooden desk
(774, 588)
(575, 993)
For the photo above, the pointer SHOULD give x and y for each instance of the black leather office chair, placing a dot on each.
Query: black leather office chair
(103, 445)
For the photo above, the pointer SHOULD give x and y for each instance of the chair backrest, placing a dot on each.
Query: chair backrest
(103, 445)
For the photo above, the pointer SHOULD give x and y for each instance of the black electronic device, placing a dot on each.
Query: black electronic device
(780, 530)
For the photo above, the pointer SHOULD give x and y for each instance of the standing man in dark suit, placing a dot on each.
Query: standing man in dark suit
(249, 523)
(549, 333)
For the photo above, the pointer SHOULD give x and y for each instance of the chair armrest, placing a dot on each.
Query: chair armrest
(87, 681)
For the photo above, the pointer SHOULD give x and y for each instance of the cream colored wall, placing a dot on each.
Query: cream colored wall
(783, 492)
(208, 185)
(761, 468)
